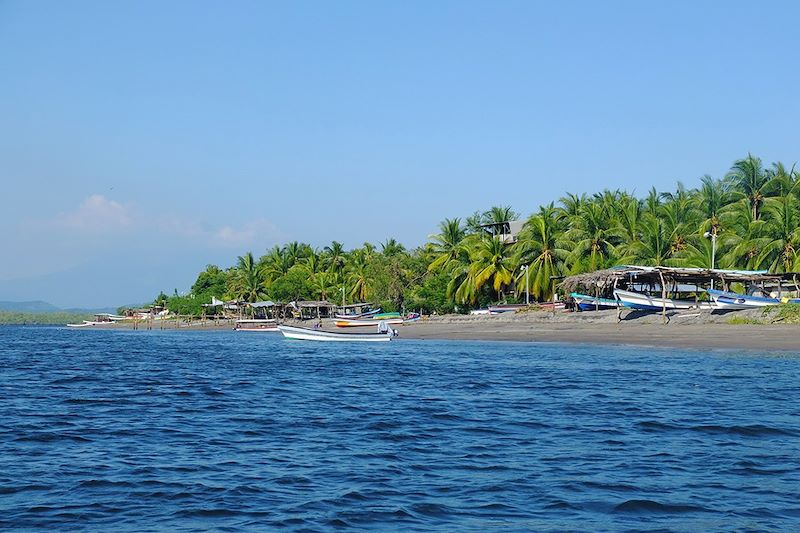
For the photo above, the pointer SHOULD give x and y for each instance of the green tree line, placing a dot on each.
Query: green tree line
(751, 215)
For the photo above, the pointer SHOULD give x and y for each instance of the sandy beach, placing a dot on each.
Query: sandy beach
(646, 331)
(699, 330)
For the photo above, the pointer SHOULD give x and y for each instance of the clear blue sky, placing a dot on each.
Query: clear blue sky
(142, 140)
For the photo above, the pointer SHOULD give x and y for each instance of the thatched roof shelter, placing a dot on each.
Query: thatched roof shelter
(604, 281)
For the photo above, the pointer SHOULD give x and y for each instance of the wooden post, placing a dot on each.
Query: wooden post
(663, 297)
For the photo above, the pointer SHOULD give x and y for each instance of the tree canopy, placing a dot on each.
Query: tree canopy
(748, 219)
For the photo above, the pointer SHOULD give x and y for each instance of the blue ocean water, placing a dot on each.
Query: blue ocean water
(149, 431)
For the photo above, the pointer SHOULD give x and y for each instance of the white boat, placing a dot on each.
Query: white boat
(308, 334)
(355, 316)
(645, 302)
(584, 302)
(256, 324)
(90, 323)
(368, 322)
(733, 300)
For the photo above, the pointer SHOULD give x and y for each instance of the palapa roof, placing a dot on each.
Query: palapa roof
(267, 303)
(309, 303)
(604, 279)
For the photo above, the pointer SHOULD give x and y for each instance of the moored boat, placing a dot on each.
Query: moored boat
(645, 302)
(91, 323)
(590, 303)
(733, 300)
(256, 324)
(367, 322)
(308, 334)
(505, 308)
(355, 316)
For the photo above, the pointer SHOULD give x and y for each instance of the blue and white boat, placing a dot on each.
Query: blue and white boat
(645, 302)
(733, 300)
(590, 303)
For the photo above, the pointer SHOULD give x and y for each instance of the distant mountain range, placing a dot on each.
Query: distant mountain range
(39, 306)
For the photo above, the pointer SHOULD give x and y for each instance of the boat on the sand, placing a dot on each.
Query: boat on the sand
(367, 322)
(256, 324)
(645, 302)
(591, 303)
(732, 300)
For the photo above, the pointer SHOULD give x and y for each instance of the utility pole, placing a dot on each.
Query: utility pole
(527, 293)
(713, 235)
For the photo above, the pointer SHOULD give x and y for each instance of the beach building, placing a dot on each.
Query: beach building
(505, 231)
(308, 309)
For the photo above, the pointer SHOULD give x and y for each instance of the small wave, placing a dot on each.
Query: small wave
(217, 513)
(51, 437)
(754, 430)
(22, 488)
(560, 504)
(651, 506)
(651, 426)
(616, 487)
(81, 401)
(73, 379)
(292, 480)
(103, 483)
(431, 509)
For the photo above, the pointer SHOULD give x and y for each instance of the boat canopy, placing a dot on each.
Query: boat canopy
(603, 281)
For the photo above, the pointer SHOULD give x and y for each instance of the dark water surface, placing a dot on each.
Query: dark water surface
(123, 430)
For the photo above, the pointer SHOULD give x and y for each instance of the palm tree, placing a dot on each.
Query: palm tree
(248, 281)
(336, 256)
(391, 248)
(541, 246)
(677, 213)
(312, 264)
(448, 245)
(296, 251)
(709, 201)
(751, 182)
(741, 244)
(499, 214)
(323, 284)
(491, 262)
(655, 246)
(781, 235)
(358, 276)
(652, 203)
(592, 234)
(276, 263)
(628, 228)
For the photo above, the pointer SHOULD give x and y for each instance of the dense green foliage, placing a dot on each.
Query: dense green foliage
(752, 214)
(58, 318)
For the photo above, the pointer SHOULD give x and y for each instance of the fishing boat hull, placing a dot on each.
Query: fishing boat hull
(307, 334)
(357, 316)
(645, 302)
(505, 308)
(367, 323)
(256, 325)
(733, 300)
(591, 303)
(90, 324)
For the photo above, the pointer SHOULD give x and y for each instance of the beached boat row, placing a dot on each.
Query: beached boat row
(718, 300)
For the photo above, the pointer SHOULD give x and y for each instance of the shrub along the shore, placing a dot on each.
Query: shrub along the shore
(753, 214)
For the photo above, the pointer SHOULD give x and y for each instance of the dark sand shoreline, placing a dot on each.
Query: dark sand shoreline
(719, 336)
(684, 330)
